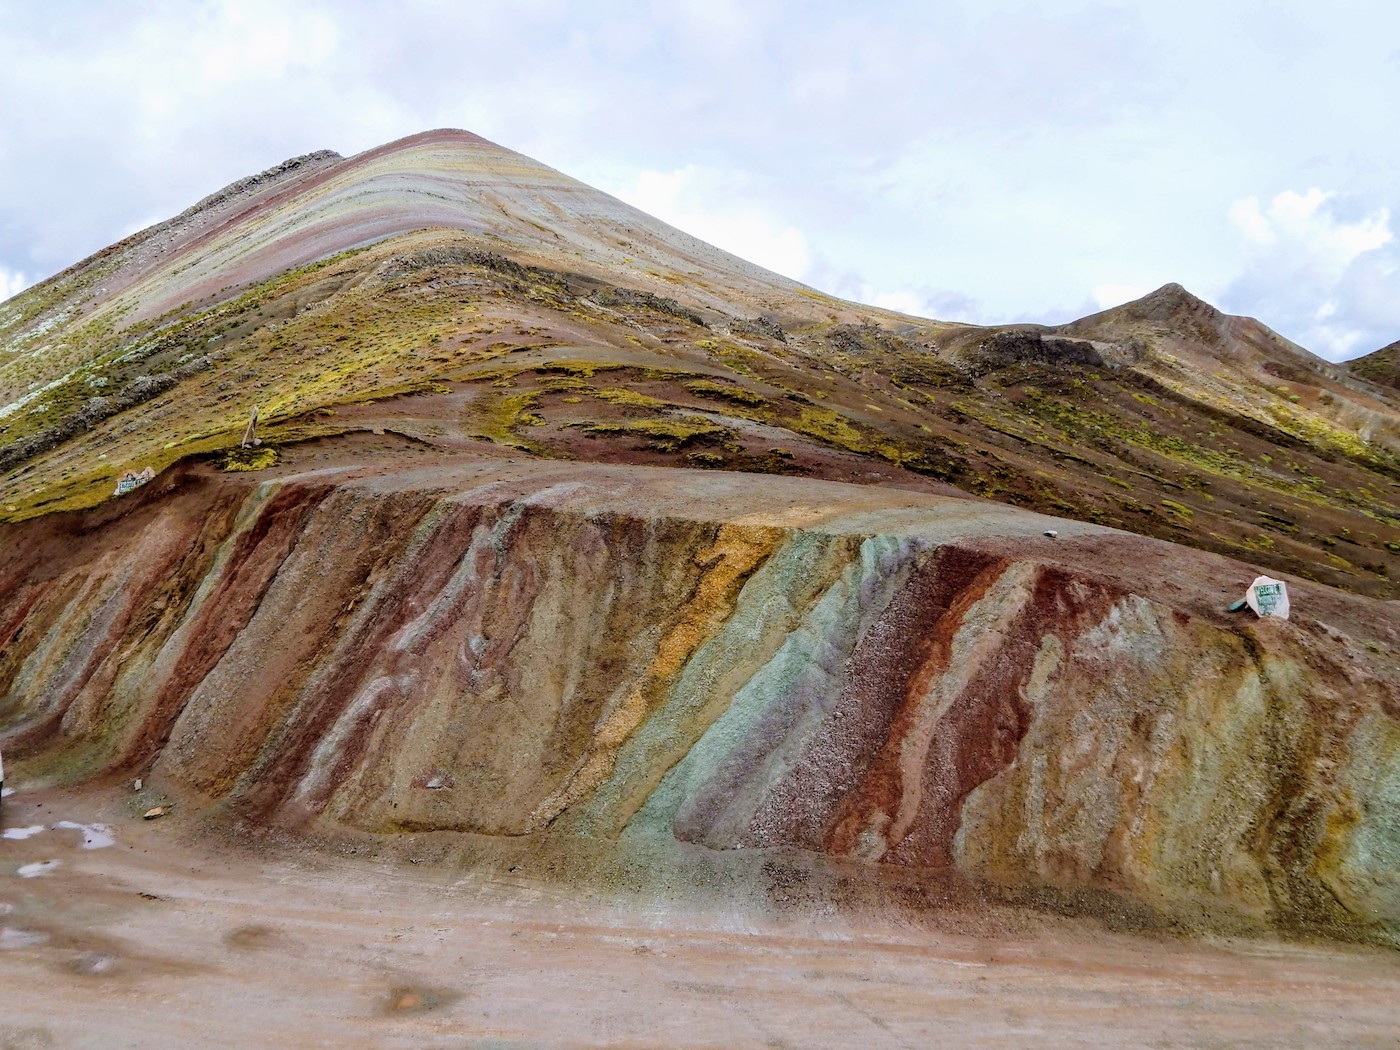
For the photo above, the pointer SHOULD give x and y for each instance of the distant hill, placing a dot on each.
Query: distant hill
(1382, 366)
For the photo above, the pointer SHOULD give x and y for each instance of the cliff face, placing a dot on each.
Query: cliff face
(573, 653)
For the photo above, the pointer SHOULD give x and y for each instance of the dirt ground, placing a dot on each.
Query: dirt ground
(155, 941)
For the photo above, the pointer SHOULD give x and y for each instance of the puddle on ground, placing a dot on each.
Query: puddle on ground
(95, 836)
(413, 999)
(39, 867)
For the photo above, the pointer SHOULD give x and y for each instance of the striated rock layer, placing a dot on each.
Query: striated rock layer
(693, 661)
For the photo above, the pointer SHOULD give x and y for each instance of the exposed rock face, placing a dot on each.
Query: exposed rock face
(470, 596)
(1030, 347)
(573, 652)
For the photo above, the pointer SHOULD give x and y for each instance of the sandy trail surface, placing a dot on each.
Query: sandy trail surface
(158, 941)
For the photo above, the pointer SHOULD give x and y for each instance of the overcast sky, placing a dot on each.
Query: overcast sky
(983, 161)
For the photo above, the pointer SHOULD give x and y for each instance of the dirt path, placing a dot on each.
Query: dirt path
(151, 942)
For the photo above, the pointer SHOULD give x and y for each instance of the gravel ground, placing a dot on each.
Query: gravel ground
(155, 941)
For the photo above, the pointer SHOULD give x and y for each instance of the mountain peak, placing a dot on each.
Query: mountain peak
(434, 267)
(1169, 306)
(1169, 302)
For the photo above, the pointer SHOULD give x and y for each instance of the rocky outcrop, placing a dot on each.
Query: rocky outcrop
(1029, 347)
(578, 654)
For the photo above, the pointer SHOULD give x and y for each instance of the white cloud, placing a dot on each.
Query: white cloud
(1020, 153)
(931, 303)
(924, 301)
(257, 41)
(1106, 295)
(904, 301)
(726, 26)
(715, 207)
(12, 282)
(1250, 221)
(1304, 221)
(1329, 280)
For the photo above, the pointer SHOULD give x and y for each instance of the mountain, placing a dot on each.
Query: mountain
(1381, 367)
(572, 536)
(498, 301)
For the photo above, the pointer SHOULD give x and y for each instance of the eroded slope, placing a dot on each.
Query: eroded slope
(654, 662)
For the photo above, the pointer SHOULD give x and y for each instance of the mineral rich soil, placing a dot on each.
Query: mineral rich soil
(169, 939)
(611, 642)
(645, 673)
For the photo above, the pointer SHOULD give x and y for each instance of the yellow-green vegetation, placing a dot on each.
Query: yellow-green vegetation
(628, 398)
(76, 488)
(258, 457)
(1089, 425)
(498, 419)
(277, 345)
(1318, 431)
(71, 493)
(127, 367)
(665, 435)
(724, 392)
(829, 426)
(1279, 523)
(433, 306)
(1182, 511)
(577, 369)
(832, 428)
(740, 359)
(562, 384)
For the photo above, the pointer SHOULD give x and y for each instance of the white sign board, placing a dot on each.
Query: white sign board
(1268, 597)
(132, 480)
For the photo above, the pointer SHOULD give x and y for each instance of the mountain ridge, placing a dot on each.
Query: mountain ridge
(572, 543)
(324, 281)
(1380, 366)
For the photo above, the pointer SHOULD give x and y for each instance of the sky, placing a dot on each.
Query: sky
(988, 161)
